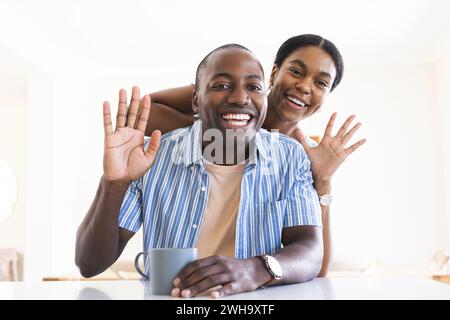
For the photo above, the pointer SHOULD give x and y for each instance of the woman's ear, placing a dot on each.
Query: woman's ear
(273, 75)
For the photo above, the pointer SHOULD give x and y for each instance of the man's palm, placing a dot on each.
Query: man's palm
(124, 157)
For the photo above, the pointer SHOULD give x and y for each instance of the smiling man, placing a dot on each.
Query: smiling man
(254, 216)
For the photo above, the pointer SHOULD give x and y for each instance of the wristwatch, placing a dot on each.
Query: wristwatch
(325, 199)
(273, 267)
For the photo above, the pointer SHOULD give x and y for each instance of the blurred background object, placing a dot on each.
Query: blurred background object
(440, 263)
(9, 259)
(8, 190)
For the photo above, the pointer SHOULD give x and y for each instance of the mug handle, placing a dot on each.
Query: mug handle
(136, 265)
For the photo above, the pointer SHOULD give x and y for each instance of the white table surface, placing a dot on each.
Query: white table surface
(321, 288)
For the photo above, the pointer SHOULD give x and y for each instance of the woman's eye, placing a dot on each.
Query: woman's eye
(322, 84)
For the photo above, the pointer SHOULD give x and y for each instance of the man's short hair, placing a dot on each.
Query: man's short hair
(204, 63)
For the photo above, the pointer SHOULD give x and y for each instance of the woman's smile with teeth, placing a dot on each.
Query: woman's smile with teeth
(296, 101)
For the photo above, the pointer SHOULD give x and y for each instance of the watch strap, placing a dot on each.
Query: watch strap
(274, 278)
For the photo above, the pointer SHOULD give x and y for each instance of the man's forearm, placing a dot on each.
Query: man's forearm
(97, 245)
(300, 261)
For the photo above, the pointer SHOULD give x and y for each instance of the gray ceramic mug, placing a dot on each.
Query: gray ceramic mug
(163, 265)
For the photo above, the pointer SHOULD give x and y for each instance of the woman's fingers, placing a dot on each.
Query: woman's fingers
(107, 123)
(122, 110)
(355, 146)
(346, 138)
(300, 136)
(344, 127)
(330, 124)
(134, 106)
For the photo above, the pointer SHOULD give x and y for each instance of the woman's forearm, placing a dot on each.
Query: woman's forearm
(165, 119)
(323, 187)
(179, 98)
(327, 242)
(170, 109)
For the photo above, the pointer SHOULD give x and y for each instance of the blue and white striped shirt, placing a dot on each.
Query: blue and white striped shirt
(170, 199)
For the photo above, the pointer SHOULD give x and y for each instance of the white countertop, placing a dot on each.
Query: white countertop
(321, 288)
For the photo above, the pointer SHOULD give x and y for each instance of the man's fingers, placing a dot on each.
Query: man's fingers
(206, 284)
(300, 136)
(194, 266)
(143, 114)
(355, 146)
(345, 126)
(107, 123)
(134, 106)
(349, 134)
(153, 147)
(141, 105)
(226, 290)
(330, 124)
(200, 275)
(122, 110)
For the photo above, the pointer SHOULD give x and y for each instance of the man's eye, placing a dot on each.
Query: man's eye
(296, 72)
(255, 88)
(221, 86)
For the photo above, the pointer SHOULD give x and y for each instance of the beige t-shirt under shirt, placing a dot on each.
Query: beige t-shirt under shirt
(218, 230)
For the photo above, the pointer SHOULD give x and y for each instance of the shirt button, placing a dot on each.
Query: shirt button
(203, 189)
(194, 226)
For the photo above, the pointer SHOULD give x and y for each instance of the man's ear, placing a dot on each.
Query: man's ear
(273, 75)
(195, 101)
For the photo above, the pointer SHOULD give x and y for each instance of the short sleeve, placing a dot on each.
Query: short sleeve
(303, 206)
(130, 216)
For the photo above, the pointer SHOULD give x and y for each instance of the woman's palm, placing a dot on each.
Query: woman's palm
(331, 151)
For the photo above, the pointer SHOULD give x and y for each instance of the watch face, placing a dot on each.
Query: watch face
(275, 266)
(326, 199)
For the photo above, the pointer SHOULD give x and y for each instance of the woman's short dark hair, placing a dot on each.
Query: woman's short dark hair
(306, 40)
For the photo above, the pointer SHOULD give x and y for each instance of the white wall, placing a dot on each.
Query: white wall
(26, 113)
(13, 135)
(14, 152)
(442, 76)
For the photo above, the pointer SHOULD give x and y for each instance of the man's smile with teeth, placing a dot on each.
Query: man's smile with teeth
(236, 116)
(296, 101)
(237, 119)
